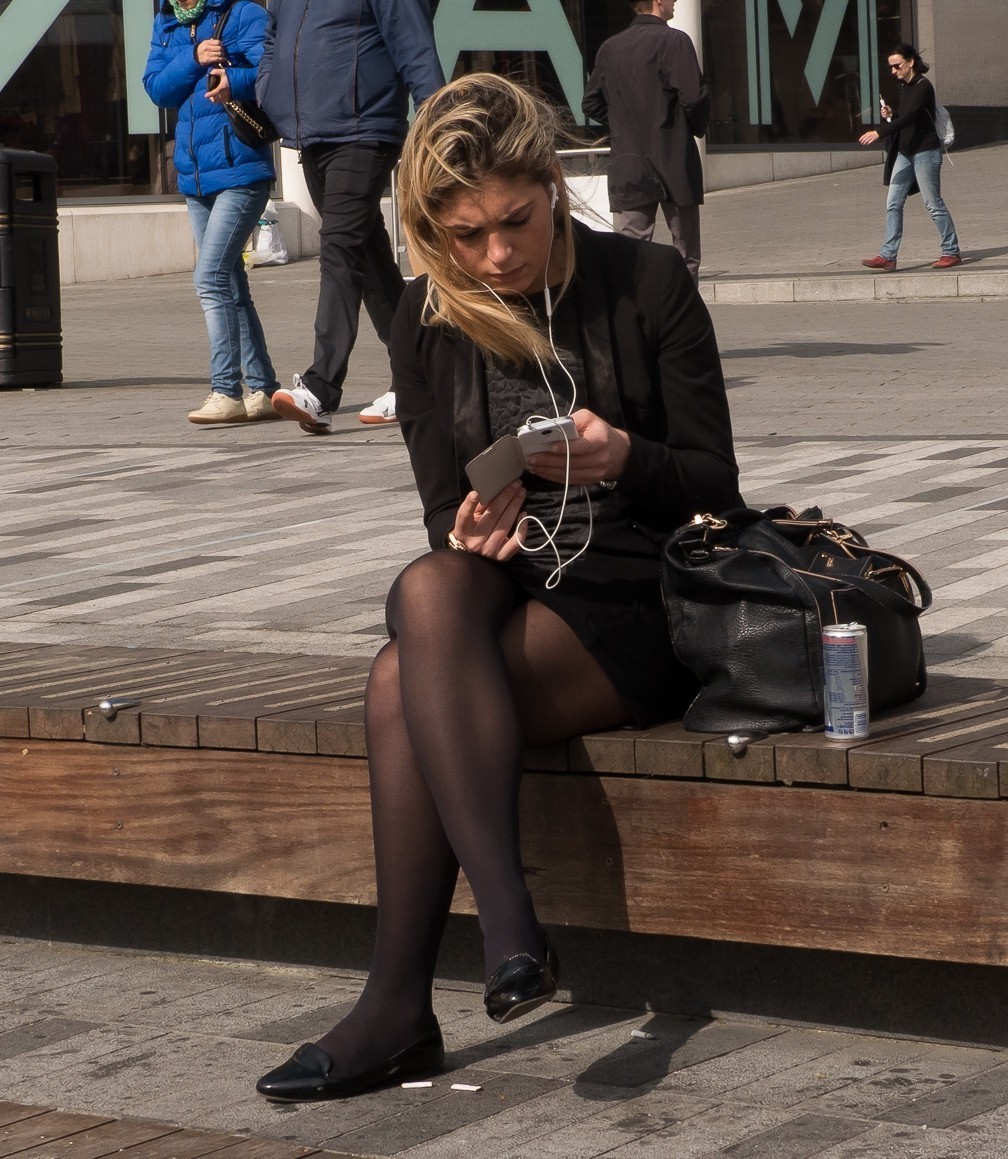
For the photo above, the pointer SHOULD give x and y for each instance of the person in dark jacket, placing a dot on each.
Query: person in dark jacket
(913, 162)
(538, 613)
(335, 78)
(225, 182)
(648, 88)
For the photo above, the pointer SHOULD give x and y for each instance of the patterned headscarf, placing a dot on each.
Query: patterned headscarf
(188, 15)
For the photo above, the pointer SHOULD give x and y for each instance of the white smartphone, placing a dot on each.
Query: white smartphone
(539, 434)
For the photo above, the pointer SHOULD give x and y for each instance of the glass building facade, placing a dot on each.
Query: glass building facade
(788, 73)
(68, 87)
(783, 74)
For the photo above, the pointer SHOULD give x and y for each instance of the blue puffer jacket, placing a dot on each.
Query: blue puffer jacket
(343, 70)
(208, 156)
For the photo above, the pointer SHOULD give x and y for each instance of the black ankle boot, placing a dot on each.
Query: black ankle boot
(521, 984)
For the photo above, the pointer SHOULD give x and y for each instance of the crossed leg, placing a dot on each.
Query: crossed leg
(473, 673)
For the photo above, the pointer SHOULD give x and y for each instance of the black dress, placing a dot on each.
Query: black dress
(600, 575)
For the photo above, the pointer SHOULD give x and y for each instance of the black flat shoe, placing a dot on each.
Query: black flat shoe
(521, 984)
(304, 1077)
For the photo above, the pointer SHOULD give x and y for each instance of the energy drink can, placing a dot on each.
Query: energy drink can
(845, 669)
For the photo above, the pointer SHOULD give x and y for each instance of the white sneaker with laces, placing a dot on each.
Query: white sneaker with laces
(258, 406)
(219, 408)
(303, 407)
(382, 410)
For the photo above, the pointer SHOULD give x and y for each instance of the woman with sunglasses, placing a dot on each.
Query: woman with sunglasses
(913, 161)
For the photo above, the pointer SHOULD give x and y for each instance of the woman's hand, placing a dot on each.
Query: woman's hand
(218, 86)
(599, 454)
(489, 530)
(869, 138)
(210, 51)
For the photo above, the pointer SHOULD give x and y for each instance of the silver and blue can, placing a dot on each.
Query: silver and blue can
(845, 668)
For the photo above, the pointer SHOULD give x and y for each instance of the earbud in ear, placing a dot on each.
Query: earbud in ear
(553, 194)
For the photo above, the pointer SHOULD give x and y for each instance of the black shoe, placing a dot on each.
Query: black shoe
(305, 1076)
(521, 984)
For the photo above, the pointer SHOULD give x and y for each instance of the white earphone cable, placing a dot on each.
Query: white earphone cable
(550, 536)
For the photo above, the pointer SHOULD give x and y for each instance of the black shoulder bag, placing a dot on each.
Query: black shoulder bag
(747, 596)
(249, 122)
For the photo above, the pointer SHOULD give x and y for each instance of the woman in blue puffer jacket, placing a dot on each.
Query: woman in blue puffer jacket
(225, 182)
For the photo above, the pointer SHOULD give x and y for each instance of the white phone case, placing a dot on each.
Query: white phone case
(492, 469)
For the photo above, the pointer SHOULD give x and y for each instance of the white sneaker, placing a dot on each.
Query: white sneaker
(382, 410)
(303, 407)
(219, 408)
(258, 406)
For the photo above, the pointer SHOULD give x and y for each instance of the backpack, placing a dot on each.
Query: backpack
(943, 125)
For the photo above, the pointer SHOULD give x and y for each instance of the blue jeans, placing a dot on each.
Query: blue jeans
(925, 167)
(221, 224)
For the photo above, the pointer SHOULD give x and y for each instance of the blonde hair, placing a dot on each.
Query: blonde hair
(479, 126)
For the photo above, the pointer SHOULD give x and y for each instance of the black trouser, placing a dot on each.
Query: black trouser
(346, 183)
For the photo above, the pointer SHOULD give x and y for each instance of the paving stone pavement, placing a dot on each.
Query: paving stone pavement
(180, 1040)
(123, 524)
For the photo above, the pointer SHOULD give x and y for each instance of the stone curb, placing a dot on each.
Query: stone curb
(882, 288)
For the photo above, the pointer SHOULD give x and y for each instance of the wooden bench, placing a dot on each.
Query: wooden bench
(248, 774)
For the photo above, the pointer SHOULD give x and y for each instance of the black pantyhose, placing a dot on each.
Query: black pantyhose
(474, 672)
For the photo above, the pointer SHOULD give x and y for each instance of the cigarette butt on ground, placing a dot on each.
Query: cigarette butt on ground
(422, 1083)
(465, 1087)
(641, 1034)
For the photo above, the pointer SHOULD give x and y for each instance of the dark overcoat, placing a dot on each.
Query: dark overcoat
(648, 89)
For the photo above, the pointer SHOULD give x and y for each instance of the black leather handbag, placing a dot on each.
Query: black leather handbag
(250, 124)
(748, 594)
(248, 119)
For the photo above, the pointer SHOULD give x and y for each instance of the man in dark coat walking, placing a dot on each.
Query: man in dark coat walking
(648, 88)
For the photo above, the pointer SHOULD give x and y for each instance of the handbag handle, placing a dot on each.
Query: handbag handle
(886, 597)
(219, 31)
(222, 21)
(854, 544)
(696, 542)
(891, 598)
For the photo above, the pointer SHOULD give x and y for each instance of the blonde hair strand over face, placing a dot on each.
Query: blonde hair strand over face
(479, 126)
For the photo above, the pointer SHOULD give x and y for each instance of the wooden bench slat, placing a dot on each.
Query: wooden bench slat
(669, 751)
(47, 1128)
(74, 1135)
(103, 1141)
(17, 1112)
(248, 774)
(882, 874)
(818, 868)
(895, 762)
(341, 733)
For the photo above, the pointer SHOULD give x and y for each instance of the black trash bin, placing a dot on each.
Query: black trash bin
(31, 341)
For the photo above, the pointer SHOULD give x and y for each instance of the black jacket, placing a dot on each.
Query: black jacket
(648, 88)
(652, 368)
(912, 130)
(913, 125)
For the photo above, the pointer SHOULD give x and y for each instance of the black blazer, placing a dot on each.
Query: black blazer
(652, 368)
